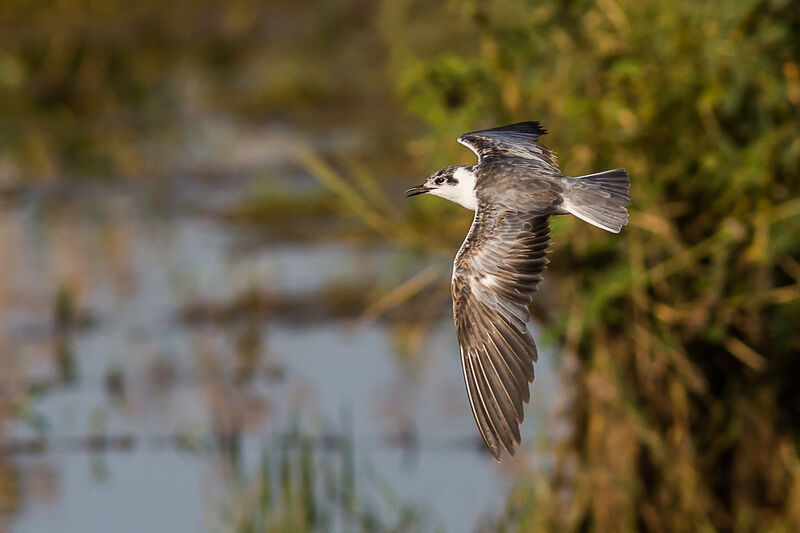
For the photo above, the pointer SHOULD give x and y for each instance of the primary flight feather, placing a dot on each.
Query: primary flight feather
(514, 190)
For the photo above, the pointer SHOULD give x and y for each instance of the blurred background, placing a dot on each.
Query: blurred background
(218, 312)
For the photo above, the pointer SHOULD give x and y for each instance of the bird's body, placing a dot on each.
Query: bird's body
(514, 189)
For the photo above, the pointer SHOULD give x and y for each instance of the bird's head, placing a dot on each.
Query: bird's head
(448, 183)
(455, 183)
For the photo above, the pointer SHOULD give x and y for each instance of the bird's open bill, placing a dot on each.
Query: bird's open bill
(419, 189)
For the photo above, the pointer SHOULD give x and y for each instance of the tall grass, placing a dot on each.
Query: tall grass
(683, 329)
(309, 484)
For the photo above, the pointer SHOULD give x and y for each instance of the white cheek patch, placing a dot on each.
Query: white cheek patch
(463, 192)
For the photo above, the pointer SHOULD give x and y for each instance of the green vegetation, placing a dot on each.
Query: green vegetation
(111, 88)
(313, 491)
(685, 411)
(681, 333)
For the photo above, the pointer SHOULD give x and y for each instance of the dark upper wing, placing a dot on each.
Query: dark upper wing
(494, 276)
(514, 140)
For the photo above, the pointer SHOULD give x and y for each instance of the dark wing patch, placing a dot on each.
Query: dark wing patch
(493, 285)
(514, 140)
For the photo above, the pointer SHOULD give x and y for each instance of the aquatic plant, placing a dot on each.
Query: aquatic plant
(310, 485)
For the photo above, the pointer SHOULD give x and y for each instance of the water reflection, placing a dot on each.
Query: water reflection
(157, 362)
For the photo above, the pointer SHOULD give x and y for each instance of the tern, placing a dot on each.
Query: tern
(514, 190)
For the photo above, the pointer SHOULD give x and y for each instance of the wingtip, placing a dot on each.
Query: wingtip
(499, 454)
(528, 126)
(536, 125)
(495, 451)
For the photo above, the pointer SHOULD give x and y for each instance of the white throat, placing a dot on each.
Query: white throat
(463, 192)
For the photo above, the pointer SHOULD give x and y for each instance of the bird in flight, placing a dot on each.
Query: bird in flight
(514, 190)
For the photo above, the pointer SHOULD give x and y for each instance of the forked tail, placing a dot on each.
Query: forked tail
(600, 199)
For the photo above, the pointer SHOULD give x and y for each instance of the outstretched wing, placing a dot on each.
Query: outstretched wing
(495, 275)
(514, 140)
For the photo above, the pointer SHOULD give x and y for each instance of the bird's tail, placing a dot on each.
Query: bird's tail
(600, 199)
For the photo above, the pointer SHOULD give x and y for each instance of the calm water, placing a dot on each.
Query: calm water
(127, 262)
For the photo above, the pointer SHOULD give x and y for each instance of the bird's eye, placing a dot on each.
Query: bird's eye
(439, 181)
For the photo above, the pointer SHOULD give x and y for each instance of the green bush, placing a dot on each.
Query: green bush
(684, 410)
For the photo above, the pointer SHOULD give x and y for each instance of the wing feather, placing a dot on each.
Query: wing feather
(493, 408)
(514, 140)
(502, 386)
(495, 275)
(501, 395)
(478, 408)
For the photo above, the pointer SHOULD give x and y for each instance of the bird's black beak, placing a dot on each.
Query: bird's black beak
(419, 189)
